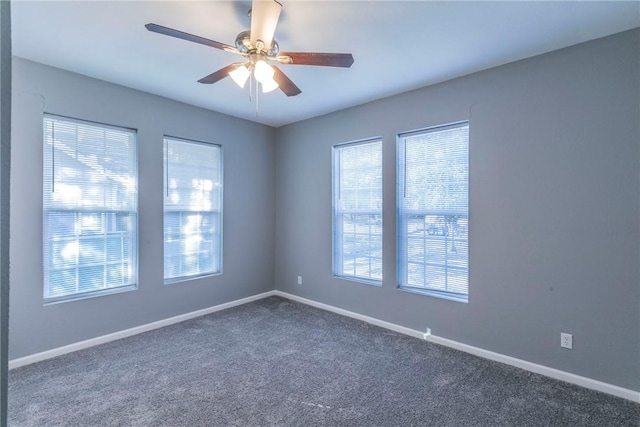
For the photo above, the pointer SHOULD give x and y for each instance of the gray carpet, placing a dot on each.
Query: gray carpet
(276, 362)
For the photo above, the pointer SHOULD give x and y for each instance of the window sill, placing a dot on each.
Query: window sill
(437, 294)
(359, 280)
(190, 278)
(87, 295)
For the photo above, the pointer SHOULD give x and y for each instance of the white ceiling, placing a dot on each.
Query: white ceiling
(397, 45)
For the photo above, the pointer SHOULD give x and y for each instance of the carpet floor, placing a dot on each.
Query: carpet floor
(280, 363)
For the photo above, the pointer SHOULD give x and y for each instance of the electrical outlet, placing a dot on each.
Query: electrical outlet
(566, 340)
(299, 280)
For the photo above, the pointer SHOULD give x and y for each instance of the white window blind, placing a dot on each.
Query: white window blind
(433, 217)
(90, 209)
(357, 211)
(192, 209)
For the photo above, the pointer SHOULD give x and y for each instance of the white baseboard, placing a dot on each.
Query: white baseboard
(486, 354)
(523, 364)
(16, 363)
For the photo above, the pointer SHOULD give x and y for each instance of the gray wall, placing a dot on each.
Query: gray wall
(5, 167)
(554, 208)
(249, 211)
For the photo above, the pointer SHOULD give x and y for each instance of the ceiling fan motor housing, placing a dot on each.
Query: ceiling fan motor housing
(243, 44)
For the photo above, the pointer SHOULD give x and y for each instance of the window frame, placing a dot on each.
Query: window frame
(133, 258)
(165, 177)
(336, 212)
(401, 220)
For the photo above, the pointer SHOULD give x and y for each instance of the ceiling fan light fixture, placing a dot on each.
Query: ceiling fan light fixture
(240, 75)
(263, 71)
(269, 85)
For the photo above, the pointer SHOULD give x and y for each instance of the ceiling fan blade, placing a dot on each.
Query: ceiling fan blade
(264, 19)
(323, 59)
(286, 85)
(189, 37)
(220, 74)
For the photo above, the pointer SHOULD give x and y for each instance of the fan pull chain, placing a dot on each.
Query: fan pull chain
(254, 93)
(257, 99)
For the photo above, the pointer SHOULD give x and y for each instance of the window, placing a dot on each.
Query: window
(89, 209)
(433, 218)
(192, 209)
(357, 211)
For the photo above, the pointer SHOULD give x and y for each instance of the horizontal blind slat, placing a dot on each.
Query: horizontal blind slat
(433, 209)
(358, 210)
(90, 207)
(192, 208)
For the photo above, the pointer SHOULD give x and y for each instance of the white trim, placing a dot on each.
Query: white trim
(540, 369)
(486, 354)
(37, 357)
(387, 325)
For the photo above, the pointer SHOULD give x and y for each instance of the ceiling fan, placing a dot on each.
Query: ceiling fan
(259, 47)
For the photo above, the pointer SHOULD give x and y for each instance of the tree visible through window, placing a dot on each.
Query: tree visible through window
(192, 209)
(89, 207)
(433, 219)
(357, 211)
